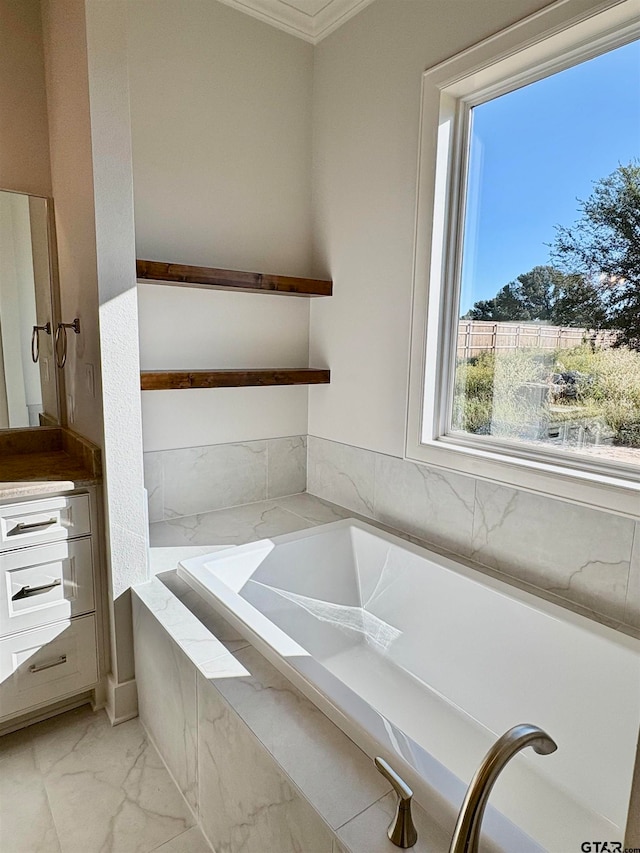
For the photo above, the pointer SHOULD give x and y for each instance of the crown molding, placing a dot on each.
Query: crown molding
(289, 18)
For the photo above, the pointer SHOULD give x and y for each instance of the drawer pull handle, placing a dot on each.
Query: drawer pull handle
(20, 528)
(38, 667)
(26, 591)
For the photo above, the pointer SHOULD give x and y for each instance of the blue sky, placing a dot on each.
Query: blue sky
(533, 153)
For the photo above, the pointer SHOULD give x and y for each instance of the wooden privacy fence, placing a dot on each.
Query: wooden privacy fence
(476, 336)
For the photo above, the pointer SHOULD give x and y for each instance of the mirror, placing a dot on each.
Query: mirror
(28, 380)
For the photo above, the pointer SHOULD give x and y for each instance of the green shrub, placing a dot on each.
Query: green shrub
(504, 393)
(473, 394)
(613, 387)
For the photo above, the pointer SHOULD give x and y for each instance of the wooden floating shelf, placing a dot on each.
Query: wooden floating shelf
(211, 278)
(165, 380)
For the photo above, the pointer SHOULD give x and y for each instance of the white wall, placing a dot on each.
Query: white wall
(108, 89)
(367, 79)
(90, 139)
(24, 143)
(221, 126)
(185, 328)
(72, 186)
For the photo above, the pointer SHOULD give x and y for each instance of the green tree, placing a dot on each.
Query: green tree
(578, 303)
(537, 291)
(546, 295)
(507, 304)
(603, 247)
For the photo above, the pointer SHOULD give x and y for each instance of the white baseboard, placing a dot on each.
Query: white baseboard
(121, 700)
(99, 696)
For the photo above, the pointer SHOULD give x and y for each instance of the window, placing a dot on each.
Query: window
(528, 366)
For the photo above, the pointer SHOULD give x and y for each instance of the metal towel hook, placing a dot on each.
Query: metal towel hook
(61, 335)
(35, 340)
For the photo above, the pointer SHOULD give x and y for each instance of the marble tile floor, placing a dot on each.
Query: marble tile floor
(74, 784)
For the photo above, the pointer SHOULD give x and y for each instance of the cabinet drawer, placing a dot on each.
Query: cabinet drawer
(46, 520)
(45, 583)
(43, 665)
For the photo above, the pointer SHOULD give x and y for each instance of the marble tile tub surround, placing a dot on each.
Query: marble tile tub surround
(270, 771)
(247, 523)
(74, 784)
(194, 480)
(575, 554)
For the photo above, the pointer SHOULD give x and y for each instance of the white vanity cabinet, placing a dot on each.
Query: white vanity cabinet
(49, 594)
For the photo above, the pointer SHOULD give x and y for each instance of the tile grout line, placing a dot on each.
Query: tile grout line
(296, 515)
(265, 441)
(174, 838)
(266, 472)
(194, 814)
(634, 540)
(46, 791)
(162, 490)
(223, 508)
(45, 787)
(362, 811)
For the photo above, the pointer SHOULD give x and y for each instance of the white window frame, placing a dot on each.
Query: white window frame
(558, 37)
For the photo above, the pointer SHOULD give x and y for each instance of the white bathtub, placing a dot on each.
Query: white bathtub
(426, 662)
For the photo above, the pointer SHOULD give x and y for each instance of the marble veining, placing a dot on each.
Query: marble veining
(581, 556)
(632, 608)
(198, 643)
(573, 551)
(26, 821)
(342, 474)
(260, 742)
(194, 480)
(287, 726)
(140, 806)
(201, 479)
(73, 783)
(334, 774)
(430, 504)
(166, 683)
(286, 466)
(228, 636)
(312, 509)
(154, 484)
(576, 555)
(233, 526)
(251, 806)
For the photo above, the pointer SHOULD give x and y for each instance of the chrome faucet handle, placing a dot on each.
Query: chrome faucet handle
(402, 831)
(466, 835)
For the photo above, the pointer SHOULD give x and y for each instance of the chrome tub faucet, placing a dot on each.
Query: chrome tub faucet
(466, 835)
